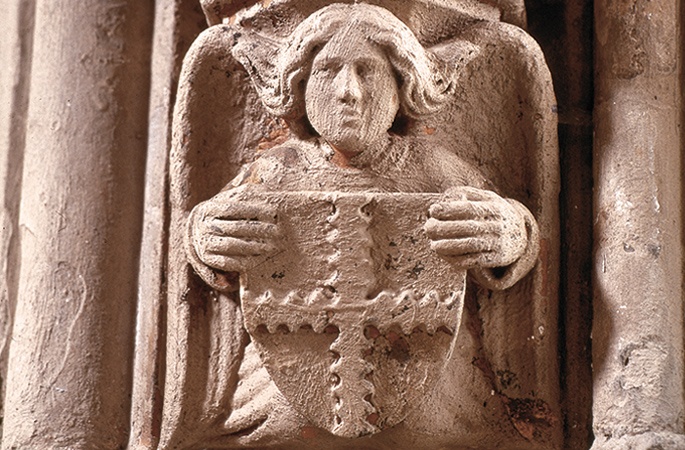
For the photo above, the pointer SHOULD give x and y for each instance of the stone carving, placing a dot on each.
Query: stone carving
(335, 266)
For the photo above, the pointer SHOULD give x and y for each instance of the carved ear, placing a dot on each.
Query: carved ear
(259, 55)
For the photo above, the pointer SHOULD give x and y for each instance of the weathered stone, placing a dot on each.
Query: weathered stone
(338, 326)
(69, 373)
(638, 312)
(175, 30)
(16, 46)
(331, 332)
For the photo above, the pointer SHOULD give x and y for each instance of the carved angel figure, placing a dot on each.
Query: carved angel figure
(350, 80)
(351, 74)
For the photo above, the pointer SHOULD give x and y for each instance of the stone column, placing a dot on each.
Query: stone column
(16, 46)
(176, 24)
(638, 303)
(69, 375)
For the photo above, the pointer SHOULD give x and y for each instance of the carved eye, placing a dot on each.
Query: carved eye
(326, 70)
(363, 71)
(320, 71)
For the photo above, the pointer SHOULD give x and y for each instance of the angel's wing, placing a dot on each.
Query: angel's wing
(218, 124)
(506, 124)
(502, 120)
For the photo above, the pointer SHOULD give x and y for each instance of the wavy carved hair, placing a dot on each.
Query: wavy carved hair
(425, 82)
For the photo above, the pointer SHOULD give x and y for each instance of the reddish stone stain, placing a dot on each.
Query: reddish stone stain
(340, 160)
(226, 281)
(428, 130)
(371, 332)
(308, 432)
(372, 418)
(278, 134)
(530, 416)
(331, 329)
(392, 336)
(399, 347)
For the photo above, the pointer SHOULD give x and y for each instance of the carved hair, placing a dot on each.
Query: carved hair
(424, 81)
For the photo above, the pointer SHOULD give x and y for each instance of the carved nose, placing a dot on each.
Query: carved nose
(348, 86)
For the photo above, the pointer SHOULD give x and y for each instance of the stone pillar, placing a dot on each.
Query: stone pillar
(16, 46)
(69, 375)
(638, 303)
(176, 24)
(146, 399)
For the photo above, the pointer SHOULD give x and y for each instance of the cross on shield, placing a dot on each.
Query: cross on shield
(355, 317)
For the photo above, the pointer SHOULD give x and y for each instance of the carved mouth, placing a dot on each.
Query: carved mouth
(350, 112)
(350, 122)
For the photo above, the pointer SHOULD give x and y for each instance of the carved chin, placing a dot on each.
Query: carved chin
(347, 142)
(349, 150)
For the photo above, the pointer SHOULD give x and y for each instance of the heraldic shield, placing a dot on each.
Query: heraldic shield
(354, 316)
(349, 324)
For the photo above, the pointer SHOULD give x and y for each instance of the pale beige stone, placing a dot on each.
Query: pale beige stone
(16, 45)
(171, 20)
(241, 369)
(241, 372)
(69, 371)
(638, 309)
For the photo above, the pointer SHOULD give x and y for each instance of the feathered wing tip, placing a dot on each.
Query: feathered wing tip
(259, 55)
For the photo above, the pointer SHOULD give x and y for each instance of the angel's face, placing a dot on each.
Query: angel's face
(351, 96)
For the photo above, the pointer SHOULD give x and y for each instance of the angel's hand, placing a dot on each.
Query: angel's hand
(226, 231)
(477, 228)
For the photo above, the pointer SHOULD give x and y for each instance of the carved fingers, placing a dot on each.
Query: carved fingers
(225, 231)
(477, 228)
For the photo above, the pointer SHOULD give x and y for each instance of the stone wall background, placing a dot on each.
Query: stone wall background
(86, 93)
